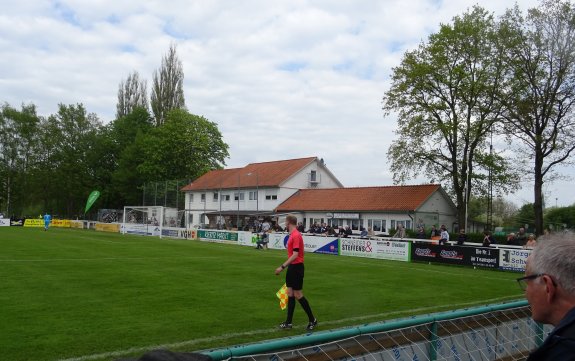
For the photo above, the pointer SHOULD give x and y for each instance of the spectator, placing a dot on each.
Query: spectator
(264, 235)
(400, 232)
(462, 237)
(420, 233)
(363, 233)
(444, 235)
(487, 239)
(435, 233)
(512, 240)
(347, 232)
(521, 237)
(531, 242)
(549, 286)
(300, 227)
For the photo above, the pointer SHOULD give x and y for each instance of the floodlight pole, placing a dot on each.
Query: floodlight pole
(238, 220)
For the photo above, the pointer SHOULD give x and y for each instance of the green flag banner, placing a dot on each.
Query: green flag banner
(91, 199)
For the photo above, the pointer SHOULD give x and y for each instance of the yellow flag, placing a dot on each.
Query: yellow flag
(283, 296)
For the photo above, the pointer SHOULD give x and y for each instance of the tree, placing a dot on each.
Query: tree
(560, 218)
(525, 217)
(445, 93)
(186, 146)
(539, 101)
(167, 91)
(67, 169)
(19, 146)
(132, 94)
(125, 133)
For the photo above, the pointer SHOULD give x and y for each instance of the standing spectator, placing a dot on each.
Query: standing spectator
(521, 237)
(295, 275)
(420, 233)
(444, 235)
(512, 240)
(549, 286)
(461, 238)
(300, 227)
(347, 232)
(531, 242)
(400, 232)
(435, 233)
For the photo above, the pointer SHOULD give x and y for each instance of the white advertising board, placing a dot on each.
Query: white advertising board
(380, 249)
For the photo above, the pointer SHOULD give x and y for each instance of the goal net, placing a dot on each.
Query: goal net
(148, 220)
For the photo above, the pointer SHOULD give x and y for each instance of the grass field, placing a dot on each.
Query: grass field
(86, 295)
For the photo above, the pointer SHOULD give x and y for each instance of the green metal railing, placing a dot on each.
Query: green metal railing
(334, 335)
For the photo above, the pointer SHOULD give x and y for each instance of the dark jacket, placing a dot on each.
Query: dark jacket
(560, 344)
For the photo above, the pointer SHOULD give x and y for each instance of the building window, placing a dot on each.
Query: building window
(238, 196)
(216, 195)
(203, 198)
(270, 197)
(313, 176)
(253, 195)
(376, 225)
(226, 197)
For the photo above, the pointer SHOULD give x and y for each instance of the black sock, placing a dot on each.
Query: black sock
(291, 308)
(305, 305)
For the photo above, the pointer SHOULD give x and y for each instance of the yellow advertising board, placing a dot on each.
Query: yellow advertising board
(76, 224)
(34, 222)
(108, 227)
(63, 223)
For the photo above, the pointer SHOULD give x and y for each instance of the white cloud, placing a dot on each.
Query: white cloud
(282, 80)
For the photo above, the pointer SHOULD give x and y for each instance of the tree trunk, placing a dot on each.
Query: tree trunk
(538, 196)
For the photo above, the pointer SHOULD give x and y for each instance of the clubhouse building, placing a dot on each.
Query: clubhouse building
(236, 198)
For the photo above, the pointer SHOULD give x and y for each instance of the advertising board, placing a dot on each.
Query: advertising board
(513, 259)
(460, 255)
(380, 249)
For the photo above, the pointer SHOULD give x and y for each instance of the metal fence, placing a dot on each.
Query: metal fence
(492, 333)
(165, 193)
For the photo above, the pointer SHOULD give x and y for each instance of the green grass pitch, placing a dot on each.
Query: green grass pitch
(83, 295)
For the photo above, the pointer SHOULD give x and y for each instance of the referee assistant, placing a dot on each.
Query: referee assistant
(294, 275)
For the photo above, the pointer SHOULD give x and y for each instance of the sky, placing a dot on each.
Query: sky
(281, 79)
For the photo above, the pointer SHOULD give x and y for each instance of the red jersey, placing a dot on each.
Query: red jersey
(295, 241)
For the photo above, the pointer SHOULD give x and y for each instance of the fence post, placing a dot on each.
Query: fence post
(538, 334)
(433, 340)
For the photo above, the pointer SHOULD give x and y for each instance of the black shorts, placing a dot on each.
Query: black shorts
(294, 276)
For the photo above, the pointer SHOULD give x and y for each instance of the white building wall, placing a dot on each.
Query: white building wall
(301, 180)
(437, 210)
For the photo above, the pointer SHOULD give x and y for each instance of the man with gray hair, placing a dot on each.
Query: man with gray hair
(549, 285)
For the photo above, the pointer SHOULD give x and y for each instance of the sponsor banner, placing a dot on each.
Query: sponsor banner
(140, 229)
(513, 259)
(17, 222)
(34, 222)
(315, 244)
(372, 248)
(218, 236)
(247, 238)
(76, 224)
(187, 234)
(108, 227)
(4, 222)
(62, 223)
(171, 232)
(461, 255)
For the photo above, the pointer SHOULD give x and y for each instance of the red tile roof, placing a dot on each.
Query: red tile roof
(267, 174)
(390, 198)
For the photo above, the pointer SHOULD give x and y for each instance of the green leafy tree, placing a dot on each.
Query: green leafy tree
(525, 216)
(167, 90)
(67, 168)
(19, 147)
(560, 218)
(125, 133)
(132, 94)
(185, 146)
(539, 101)
(445, 96)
